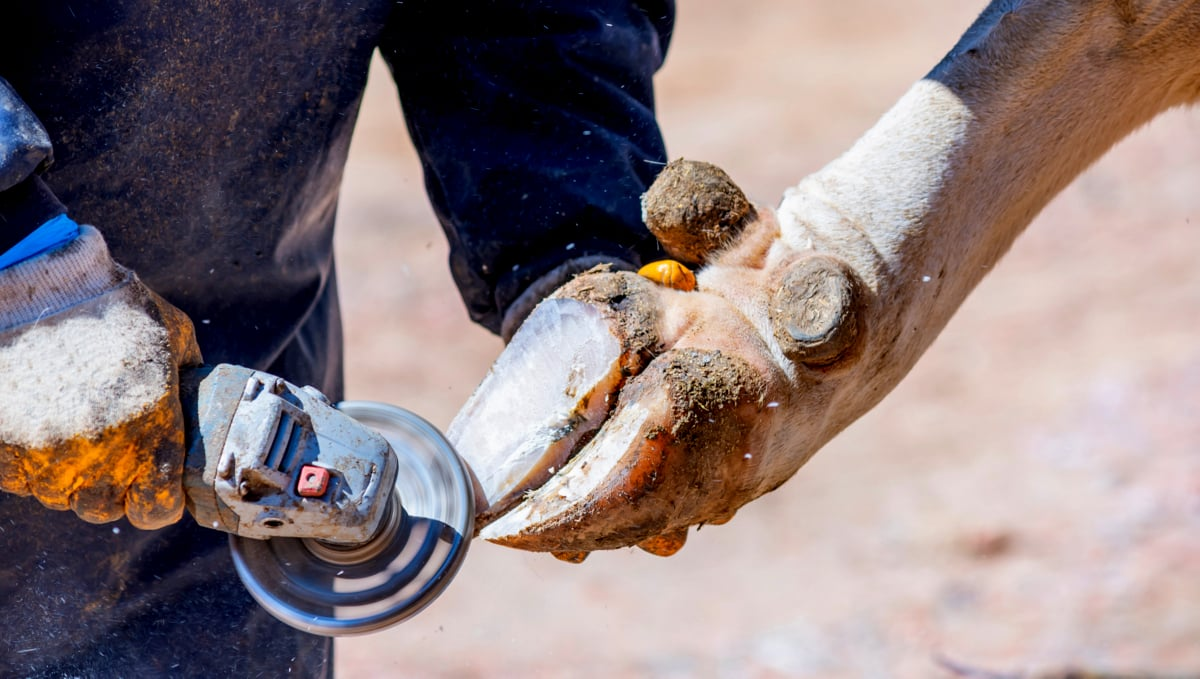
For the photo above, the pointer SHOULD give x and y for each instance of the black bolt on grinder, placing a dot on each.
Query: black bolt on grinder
(342, 519)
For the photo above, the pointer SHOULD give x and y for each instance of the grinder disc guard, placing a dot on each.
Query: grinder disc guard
(335, 590)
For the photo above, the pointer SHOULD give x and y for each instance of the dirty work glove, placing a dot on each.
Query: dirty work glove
(631, 406)
(89, 385)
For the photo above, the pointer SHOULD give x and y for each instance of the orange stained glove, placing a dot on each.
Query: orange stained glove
(89, 387)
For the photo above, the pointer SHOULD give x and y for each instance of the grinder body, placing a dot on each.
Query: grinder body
(267, 459)
(343, 519)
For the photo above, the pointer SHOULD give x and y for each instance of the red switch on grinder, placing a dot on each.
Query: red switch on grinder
(313, 481)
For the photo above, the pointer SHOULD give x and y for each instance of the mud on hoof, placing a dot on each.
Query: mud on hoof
(694, 209)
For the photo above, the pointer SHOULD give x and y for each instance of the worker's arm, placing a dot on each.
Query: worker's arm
(89, 357)
(535, 126)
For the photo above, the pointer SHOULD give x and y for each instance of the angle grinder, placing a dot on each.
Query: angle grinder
(343, 519)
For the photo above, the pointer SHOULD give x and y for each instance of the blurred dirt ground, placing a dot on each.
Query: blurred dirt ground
(1029, 498)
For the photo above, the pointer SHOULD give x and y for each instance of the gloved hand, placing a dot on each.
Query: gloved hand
(89, 387)
(629, 407)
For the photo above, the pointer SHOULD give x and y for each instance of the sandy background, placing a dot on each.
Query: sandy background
(1029, 498)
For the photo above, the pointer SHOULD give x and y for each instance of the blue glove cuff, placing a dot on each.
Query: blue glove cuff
(52, 234)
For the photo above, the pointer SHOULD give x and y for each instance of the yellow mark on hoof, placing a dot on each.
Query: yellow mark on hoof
(665, 544)
(670, 273)
(570, 557)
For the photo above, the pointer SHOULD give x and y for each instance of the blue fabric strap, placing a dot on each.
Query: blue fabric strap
(50, 235)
